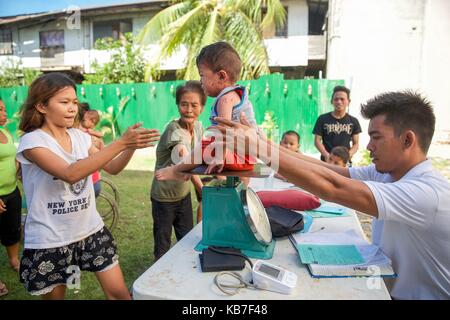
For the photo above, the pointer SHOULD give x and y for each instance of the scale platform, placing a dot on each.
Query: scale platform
(233, 215)
(259, 171)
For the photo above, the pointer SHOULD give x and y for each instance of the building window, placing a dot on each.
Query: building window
(282, 32)
(51, 39)
(112, 29)
(6, 47)
(317, 11)
(51, 43)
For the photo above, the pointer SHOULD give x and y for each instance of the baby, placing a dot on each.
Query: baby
(219, 66)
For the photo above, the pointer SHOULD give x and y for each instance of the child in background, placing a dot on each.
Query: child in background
(219, 66)
(339, 156)
(89, 119)
(291, 140)
(64, 232)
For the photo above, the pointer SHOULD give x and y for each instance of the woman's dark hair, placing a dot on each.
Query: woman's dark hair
(40, 92)
(404, 110)
(190, 86)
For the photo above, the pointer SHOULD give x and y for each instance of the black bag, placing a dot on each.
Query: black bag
(213, 259)
(283, 221)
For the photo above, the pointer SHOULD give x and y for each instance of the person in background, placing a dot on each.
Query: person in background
(339, 156)
(171, 200)
(89, 119)
(291, 140)
(10, 198)
(337, 128)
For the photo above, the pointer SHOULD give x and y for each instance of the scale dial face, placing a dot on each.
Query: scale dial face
(256, 216)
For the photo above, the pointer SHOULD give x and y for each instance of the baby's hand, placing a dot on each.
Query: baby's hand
(94, 133)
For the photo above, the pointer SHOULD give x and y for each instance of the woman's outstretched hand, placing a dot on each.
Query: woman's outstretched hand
(138, 138)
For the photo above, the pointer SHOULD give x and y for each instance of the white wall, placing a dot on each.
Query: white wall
(385, 45)
(297, 17)
(436, 60)
(293, 50)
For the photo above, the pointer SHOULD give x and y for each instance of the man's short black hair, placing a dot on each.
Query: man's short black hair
(341, 152)
(341, 89)
(404, 110)
(291, 132)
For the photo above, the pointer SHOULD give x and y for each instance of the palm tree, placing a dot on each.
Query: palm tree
(197, 23)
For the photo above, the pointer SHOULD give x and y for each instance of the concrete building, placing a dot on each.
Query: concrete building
(374, 45)
(65, 40)
(385, 45)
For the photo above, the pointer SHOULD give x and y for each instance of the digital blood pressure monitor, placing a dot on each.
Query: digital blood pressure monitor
(273, 278)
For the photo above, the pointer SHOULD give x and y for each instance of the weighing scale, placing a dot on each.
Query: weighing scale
(233, 216)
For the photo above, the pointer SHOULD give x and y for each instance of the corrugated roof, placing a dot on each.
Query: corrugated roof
(26, 17)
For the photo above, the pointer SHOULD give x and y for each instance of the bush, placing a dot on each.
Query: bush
(125, 66)
(13, 74)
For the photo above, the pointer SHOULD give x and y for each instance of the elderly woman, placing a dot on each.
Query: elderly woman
(10, 199)
(171, 200)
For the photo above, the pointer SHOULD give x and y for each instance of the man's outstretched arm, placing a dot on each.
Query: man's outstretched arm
(306, 172)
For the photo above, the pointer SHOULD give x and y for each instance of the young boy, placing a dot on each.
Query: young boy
(339, 156)
(291, 141)
(219, 66)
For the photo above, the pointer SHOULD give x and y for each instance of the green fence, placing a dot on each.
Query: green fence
(290, 104)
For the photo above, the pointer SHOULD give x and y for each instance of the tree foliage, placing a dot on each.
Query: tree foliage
(13, 74)
(197, 23)
(126, 64)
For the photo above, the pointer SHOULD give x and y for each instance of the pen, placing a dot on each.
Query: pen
(317, 230)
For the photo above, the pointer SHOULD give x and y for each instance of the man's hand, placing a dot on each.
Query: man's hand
(2, 206)
(238, 137)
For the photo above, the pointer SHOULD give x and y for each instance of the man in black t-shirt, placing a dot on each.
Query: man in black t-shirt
(337, 128)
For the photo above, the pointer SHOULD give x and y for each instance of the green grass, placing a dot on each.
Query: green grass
(134, 236)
